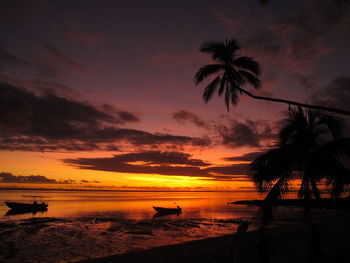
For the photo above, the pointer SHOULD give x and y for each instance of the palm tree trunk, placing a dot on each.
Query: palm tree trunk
(303, 105)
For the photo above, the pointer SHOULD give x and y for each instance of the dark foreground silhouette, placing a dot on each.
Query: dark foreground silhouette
(288, 243)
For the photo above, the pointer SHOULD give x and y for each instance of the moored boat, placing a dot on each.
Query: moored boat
(163, 210)
(32, 204)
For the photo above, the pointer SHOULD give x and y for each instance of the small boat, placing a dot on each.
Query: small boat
(163, 210)
(34, 203)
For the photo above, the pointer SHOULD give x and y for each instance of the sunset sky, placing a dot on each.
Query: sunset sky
(100, 94)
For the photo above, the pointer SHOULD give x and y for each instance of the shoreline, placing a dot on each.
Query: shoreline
(286, 243)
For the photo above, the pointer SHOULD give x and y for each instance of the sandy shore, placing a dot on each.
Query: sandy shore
(286, 243)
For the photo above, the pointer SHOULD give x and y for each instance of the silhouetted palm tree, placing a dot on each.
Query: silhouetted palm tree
(310, 148)
(232, 72)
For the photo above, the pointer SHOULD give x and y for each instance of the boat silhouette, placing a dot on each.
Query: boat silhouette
(163, 211)
(31, 203)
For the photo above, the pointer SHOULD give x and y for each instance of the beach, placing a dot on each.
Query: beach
(82, 225)
(122, 227)
(286, 243)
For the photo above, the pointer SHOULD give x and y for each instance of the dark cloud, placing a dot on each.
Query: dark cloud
(51, 122)
(248, 133)
(127, 116)
(228, 178)
(186, 116)
(163, 163)
(158, 157)
(153, 162)
(248, 157)
(298, 41)
(89, 182)
(37, 179)
(51, 116)
(235, 169)
(338, 93)
(233, 133)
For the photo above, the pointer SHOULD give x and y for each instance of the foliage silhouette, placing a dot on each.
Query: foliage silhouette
(310, 148)
(232, 72)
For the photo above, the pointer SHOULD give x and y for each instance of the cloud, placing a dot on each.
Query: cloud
(289, 43)
(337, 92)
(247, 133)
(183, 116)
(163, 163)
(151, 162)
(233, 133)
(235, 169)
(39, 179)
(34, 179)
(158, 157)
(52, 116)
(299, 41)
(89, 182)
(248, 157)
(50, 122)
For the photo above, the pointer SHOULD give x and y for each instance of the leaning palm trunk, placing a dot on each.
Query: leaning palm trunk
(290, 102)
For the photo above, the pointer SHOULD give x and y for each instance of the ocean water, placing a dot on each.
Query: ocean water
(87, 224)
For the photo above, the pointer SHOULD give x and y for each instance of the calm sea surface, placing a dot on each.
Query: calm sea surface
(87, 224)
(131, 205)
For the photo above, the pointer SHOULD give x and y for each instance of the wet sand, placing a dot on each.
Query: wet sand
(287, 243)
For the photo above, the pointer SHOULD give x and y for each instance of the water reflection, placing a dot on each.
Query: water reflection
(15, 212)
(135, 205)
(165, 214)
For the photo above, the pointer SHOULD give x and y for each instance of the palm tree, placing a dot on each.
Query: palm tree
(232, 72)
(311, 149)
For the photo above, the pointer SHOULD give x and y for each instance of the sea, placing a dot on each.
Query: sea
(80, 225)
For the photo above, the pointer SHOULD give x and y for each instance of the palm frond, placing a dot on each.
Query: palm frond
(265, 215)
(333, 123)
(269, 166)
(250, 78)
(247, 64)
(222, 52)
(337, 148)
(232, 46)
(336, 175)
(233, 94)
(210, 89)
(211, 46)
(206, 71)
(223, 84)
(305, 188)
(227, 98)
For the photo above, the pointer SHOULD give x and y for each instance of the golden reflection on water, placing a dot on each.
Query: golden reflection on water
(134, 205)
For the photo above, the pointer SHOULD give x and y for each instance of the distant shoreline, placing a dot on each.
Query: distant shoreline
(107, 190)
